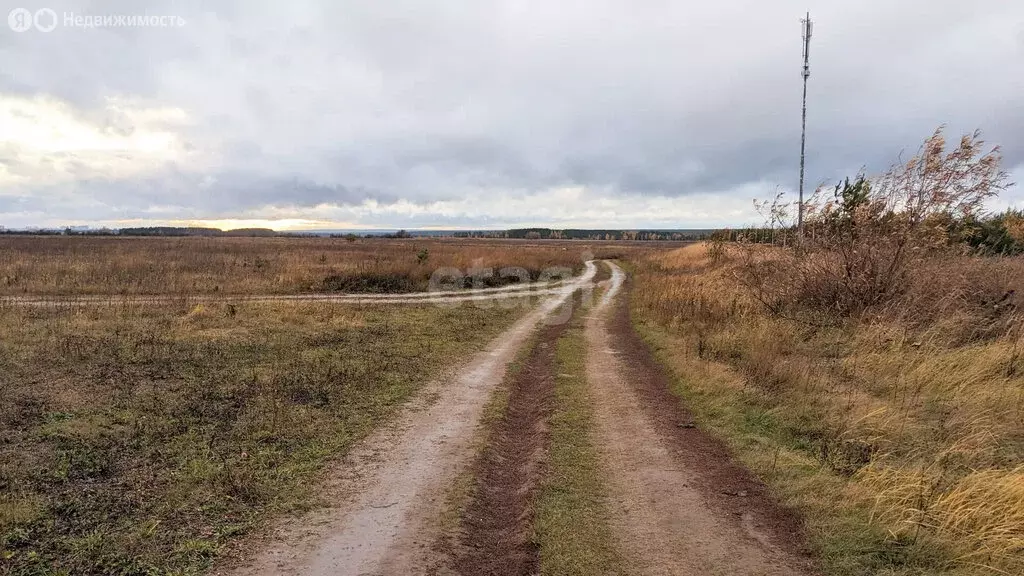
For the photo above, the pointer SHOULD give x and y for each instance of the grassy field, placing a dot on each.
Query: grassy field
(138, 440)
(105, 265)
(899, 434)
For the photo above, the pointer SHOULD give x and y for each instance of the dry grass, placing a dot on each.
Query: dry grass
(138, 440)
(899, 433)
(105, 265)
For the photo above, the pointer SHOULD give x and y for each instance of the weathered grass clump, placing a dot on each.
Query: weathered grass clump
(876, 239)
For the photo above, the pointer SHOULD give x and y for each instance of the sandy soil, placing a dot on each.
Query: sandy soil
(666, 511)
(389, 490)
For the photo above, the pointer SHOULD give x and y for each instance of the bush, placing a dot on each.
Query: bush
(862, 247)
(998, 235)
(369, 282)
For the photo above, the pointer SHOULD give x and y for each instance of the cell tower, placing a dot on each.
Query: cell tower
(808, 26)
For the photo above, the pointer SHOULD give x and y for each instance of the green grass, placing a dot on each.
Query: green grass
(142, 440)
(572, 527)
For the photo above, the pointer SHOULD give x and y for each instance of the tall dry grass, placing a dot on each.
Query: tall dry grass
(914, 408)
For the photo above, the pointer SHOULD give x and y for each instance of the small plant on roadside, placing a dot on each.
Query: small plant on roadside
(716, 248)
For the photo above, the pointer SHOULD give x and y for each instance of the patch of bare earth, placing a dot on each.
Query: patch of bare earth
(679, 503)
(497, 523)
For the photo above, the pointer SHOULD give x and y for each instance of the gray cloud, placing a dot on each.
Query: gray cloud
(176, 195)
(304, 104)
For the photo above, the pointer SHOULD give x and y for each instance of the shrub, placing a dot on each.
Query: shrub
(369, 282)
(998, 235)
(861, 247)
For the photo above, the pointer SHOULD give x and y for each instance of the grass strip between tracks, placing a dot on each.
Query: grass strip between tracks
(572, 520)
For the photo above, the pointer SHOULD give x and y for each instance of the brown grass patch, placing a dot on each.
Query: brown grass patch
(55, 265)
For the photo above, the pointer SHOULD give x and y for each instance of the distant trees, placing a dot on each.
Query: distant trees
(592, 234)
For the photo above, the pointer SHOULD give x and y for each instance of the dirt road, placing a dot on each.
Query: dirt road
(388, 491)
(679, 504)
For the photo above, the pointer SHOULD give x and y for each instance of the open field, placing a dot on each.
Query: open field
(141, 435)
(143, 438)
(248, 266)
(899, 435)
(174, 429)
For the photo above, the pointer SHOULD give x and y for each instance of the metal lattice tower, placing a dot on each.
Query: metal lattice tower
(808, 26)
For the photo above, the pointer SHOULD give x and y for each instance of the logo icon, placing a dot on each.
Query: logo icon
(22, 19)
(45, 20)
(19, 19)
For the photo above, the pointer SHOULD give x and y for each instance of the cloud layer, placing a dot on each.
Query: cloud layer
(480, 113)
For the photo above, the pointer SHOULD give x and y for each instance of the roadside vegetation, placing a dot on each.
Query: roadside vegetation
(70, 265)
(141, 439)
(872, 373)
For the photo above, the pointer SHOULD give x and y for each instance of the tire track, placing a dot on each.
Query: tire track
(497, 523)
(666, 478)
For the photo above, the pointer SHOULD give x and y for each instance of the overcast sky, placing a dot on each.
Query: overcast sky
(482, 113)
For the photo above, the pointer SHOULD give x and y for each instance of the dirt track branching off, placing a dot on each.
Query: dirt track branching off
(67, 266)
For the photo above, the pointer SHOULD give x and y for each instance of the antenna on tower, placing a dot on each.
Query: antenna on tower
(808, 27)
